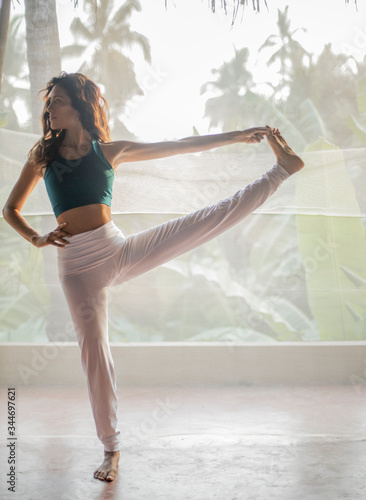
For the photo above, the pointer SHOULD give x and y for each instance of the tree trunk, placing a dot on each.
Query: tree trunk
(43, 51)
(44, 61)
(4, 24)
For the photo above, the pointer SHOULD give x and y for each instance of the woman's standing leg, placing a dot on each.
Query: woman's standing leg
(87, 300)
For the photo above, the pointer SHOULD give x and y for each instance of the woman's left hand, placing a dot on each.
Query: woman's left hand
(255, 134)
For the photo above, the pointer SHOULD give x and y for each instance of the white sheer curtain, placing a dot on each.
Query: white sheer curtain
(294, 270)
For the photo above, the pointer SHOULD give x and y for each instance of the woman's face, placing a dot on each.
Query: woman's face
(62, 115)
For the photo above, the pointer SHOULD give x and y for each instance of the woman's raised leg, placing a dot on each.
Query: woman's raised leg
(143, 251)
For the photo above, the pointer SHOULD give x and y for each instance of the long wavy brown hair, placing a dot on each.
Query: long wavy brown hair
(87, 99)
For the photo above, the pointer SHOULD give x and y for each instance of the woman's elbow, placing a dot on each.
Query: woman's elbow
(6, 211)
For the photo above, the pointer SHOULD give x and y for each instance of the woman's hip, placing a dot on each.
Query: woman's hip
(89, 249)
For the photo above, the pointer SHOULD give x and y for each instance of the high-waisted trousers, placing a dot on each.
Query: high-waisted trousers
(103, 257)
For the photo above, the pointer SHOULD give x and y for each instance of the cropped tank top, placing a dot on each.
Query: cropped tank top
(75, 183)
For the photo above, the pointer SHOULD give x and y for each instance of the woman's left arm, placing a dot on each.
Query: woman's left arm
(127, 151)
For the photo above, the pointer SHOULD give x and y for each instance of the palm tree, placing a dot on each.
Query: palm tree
(4, 23)
(330, 84)
(103, 38)
(233, 80)
(15, 73)
(238, 103)
(288, 51)
(43, 50)
(316, 95)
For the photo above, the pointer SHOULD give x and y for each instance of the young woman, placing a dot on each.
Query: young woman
(77, 162)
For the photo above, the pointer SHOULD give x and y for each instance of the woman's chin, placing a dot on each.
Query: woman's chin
(53, 125)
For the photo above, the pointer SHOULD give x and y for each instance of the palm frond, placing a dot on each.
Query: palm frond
(74, 50)
(311, 122)
(347, 1)
(80, 31)
(237, 4)
(125, 11)
(223, 3)
(122, 36)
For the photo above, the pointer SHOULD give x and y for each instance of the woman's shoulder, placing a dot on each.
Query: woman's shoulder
(112, 150)
(34, 169)
(113, 145)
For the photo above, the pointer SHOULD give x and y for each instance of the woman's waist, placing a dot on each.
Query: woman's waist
(85, 218)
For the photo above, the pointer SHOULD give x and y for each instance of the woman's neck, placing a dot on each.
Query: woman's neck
(76, 138)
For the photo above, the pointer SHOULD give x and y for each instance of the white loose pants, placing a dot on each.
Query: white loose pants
(103, 257)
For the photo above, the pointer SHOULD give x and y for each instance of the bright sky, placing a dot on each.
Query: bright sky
(187, 41)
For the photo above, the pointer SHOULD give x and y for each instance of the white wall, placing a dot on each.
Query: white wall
(191, 364)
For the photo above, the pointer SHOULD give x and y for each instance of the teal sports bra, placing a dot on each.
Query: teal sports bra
(75, 183)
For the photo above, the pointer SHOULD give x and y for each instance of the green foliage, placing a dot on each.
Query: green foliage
(24, 298)
(357, 124)
(315, 96)
(333, 250)
(232, 81)
(4, 118)
(216, 293)
(288, 51)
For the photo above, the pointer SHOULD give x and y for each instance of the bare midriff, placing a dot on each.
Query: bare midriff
(86, 218)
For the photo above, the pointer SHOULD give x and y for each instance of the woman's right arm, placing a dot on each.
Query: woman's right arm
(27, 181)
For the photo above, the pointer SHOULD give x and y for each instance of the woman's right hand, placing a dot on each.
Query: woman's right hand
(55, 238)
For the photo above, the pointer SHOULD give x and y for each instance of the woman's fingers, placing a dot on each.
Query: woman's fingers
(57, 241)
(256, 134)
(57, 236)
(261, 130)
(62, 232)
(272, 130)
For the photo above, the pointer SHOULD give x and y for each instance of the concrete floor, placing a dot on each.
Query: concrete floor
(227, 443)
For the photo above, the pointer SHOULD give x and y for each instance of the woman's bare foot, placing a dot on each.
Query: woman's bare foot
(285, 156)
(108, 470)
